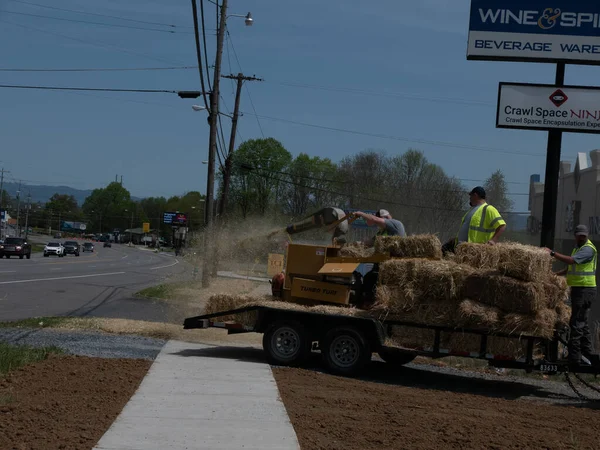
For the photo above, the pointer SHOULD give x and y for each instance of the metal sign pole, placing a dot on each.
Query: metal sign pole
(551, 179)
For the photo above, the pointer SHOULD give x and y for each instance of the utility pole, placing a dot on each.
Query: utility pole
(2, 172)
(212, 143)
(18, 209)
(236, 111)
(27, 214)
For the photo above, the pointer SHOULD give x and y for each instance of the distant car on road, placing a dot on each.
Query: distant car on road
(54, 248)
(14, 246)
(57, 236)
(87, 247)
(71, 248)
(107, 244)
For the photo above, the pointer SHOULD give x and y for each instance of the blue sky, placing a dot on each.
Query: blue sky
(407, 59)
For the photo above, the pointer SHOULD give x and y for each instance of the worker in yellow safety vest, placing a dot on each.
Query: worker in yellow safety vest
(581, 277)
(482, 224)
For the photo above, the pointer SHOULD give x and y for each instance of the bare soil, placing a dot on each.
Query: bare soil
(332, 413)
(65, 402)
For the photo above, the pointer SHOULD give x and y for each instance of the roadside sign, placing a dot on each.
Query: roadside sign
(146, 227)
(535, 31)
(547, 107)
(275, 264)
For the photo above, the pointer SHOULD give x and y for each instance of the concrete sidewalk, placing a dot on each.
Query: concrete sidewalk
(203, 397)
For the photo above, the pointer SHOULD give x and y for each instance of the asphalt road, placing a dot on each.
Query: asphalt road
(99, 284)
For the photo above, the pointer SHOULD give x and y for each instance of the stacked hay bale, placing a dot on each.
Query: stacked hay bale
(504, 288)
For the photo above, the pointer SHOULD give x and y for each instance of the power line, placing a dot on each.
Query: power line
(56, 88)
(404, 139)
(87, 22)
(199, 53)
(99, 15)
(99, 69)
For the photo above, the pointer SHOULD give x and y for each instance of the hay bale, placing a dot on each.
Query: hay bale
(556, 290)
(524, 262)
(442, 314)
(407, 282)
(474, 314)
(479, 256)
(225, 302)
(541, 324)
(508, 294)
(418, 246)
(356, 250)
(563, 312)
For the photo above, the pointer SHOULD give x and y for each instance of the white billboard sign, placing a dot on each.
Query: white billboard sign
(547, 107)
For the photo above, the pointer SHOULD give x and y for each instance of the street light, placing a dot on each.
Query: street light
(198, 108)
(249, 20)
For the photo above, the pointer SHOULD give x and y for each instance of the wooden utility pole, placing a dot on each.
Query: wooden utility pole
(234, 120)
(18, 209)
(2, 172)
(27, 214)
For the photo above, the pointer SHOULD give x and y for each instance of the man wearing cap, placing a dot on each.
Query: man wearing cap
(483, 224)
(581, 277)
(383, 220)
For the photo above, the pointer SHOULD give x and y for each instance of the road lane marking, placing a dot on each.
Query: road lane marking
(62, 278)
(7, 271)
(162, 267)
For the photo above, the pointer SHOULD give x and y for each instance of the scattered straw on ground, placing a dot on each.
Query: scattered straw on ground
(506, 293)
(524, 262)
(418, 246)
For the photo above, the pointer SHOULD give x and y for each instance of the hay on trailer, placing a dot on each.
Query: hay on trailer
(474, 314)
(508, 294)
(563, 312)
(524, 262)
(407, 282)
(556, 290)
(356, 250)
(418, 246)
(441, 314)
(541, 324)
(479, 256)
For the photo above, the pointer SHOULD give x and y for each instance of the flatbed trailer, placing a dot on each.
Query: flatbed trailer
(348, 342)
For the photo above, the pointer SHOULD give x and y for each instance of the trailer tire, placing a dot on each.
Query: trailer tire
(396, 357)
(345, 351)
(286, 344)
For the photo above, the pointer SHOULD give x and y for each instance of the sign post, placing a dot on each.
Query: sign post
(275, 264)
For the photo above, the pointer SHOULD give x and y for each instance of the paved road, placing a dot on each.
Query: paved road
(99, 284)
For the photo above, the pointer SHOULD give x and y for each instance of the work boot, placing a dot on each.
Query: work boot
(594, 359)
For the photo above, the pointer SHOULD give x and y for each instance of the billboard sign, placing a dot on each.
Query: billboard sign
(175, 219)
(73, 226)
(146, 227)
(547, 107)
(535, 31)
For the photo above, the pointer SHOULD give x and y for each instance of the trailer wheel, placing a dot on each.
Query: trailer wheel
(286, 344)
(395, 357)
(345, 351)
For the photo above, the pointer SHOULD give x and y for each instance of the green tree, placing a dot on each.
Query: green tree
(496, 190)
(105, 207)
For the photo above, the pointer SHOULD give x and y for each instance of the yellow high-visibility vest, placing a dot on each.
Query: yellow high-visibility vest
(583, 275)
(484, 224)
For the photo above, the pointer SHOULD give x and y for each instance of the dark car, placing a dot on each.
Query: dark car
(107, 244)
(14, 246)
(71, 248)
(87, 247)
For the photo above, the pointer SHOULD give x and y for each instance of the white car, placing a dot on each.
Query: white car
(54, 248)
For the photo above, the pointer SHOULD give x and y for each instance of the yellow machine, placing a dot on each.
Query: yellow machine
(316, 273)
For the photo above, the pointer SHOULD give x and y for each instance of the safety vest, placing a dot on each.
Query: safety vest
(583, 275)
(483, 224)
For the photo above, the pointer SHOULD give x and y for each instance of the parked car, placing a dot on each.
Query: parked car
(14, 246)
(71, 248)
(57, 236)
(107, 244)
(87, 247)
(54, 248)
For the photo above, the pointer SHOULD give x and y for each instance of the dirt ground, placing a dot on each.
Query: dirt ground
(332, 413)
(65, 402)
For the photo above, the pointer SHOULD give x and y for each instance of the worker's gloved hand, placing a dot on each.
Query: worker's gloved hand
(491, 242)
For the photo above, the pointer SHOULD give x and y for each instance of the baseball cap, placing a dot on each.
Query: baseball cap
(581, 229)
(382, 213)
(479, 191)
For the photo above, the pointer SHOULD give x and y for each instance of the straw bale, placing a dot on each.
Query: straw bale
(556, 290)
(480, 256)
(508, 294)
(407, 282)
(563, 312)
(225, 302)
(442, 314)
(418, 246)
(474, 314)
(356, 250)
(541, 324)
(524, 262)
